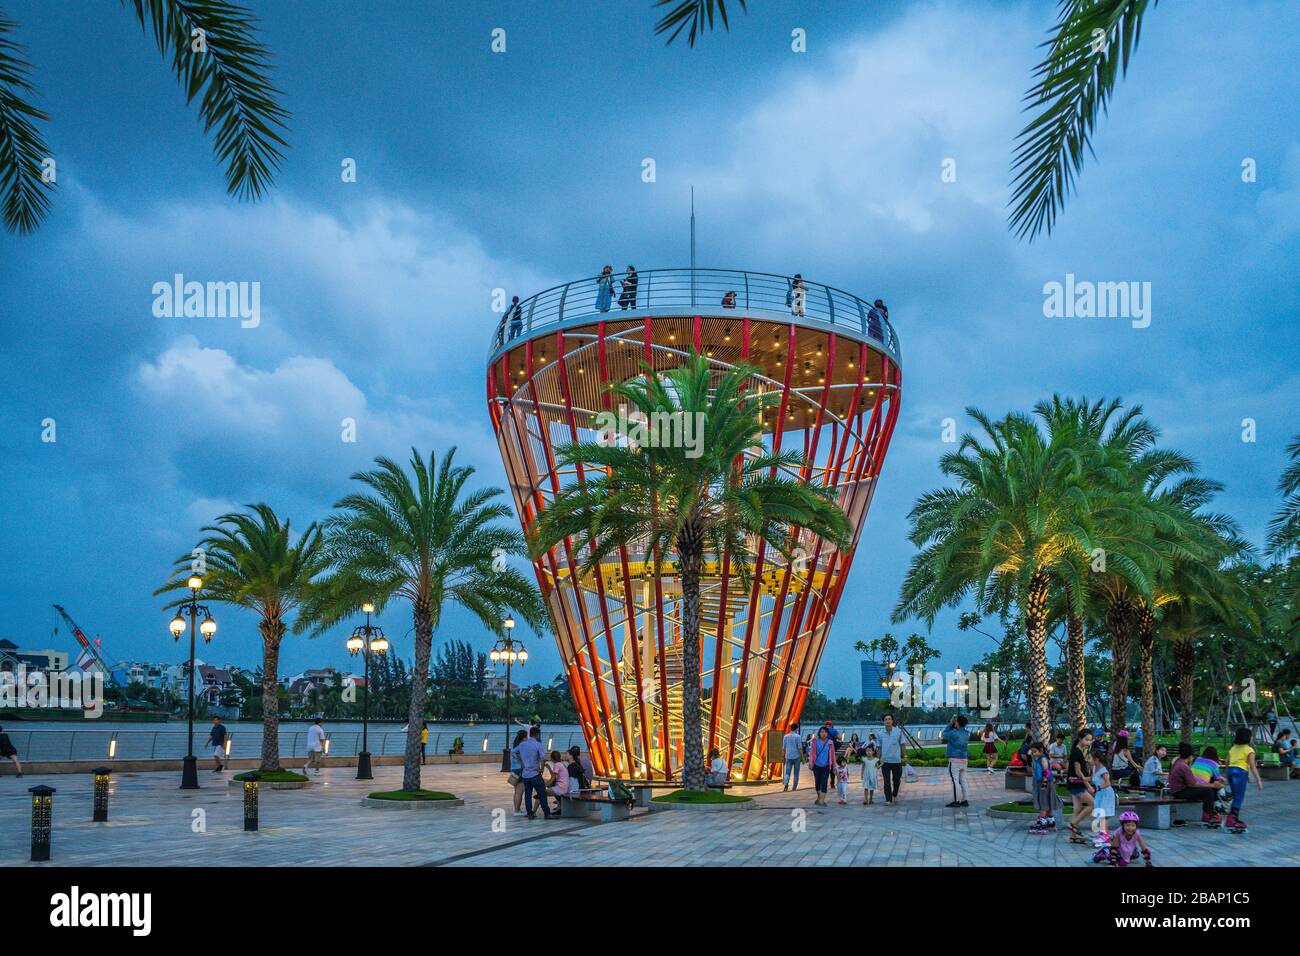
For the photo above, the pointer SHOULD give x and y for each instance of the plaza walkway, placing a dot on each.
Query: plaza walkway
(153, 823)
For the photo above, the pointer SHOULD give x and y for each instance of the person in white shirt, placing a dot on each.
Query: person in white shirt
(315, 748)
(717, 769)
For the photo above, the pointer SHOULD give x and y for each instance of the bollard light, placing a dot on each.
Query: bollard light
(112, 747)
(42, 818)
(230, 739)
(250, 800)
(101, 795)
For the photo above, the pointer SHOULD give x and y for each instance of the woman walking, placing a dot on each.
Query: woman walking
(605, 289)
(990, 738)
(821, 760)
(1077, 776)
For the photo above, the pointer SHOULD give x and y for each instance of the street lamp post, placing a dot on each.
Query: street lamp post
(366, 639)
(509, 650)
(208, 627)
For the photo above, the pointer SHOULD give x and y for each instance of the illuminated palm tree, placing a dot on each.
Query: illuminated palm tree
(663, 499)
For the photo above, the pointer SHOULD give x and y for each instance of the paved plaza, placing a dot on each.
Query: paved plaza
(152, 823)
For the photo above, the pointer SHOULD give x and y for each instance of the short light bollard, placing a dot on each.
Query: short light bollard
(250, 801)
(101, 795)
(42, 817)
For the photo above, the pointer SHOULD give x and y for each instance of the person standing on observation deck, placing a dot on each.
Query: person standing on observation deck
(605, 289)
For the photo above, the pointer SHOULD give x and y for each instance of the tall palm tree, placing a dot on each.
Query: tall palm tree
(1017, 522)
(1284, 539)
(253, 561)
(216, 56)
(423, 537)
(662, 499)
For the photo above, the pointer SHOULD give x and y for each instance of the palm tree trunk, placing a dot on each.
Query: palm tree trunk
(1146, 629)
(690, 553)
(419, 678)
(1074, 669)
(1184, 661)
(1119, 618)
(1036, 639)
(272, 632)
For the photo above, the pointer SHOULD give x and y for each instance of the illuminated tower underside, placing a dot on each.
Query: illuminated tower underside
(619, 628)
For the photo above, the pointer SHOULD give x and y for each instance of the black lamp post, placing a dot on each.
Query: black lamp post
(252, 782)
(42, 819)
(100, 814)
(508, 650)
(365, 640)
(208, 627)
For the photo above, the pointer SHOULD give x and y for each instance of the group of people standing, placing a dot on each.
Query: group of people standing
(829, 756)
(537, 775)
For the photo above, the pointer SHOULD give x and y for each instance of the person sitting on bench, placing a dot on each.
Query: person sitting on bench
(717, 775)
(1183, 785)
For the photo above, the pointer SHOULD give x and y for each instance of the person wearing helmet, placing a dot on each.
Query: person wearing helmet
(1126, 843)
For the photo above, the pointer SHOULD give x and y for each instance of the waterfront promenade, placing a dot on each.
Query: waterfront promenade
(152, 823)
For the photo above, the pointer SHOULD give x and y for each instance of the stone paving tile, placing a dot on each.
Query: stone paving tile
(325, 825)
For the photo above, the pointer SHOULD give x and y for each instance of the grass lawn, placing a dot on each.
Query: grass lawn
(412, 795)
(698, 796)
(1014, 807)
(272, 776)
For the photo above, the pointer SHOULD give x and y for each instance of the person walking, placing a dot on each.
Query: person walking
(627, 298)
(315, 747)
(1077, 781)
(792, 751)
(9, 752)
(957, 749)
(1103, 792)
(892, 754)
(842, 779)
(821, 761)
(217, 740)
(990, 738)
(605, 289)
(531, 755)
(424, 741)
(1241, 767)
(870, 766)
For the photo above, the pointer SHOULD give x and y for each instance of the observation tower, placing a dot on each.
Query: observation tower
(618, 628)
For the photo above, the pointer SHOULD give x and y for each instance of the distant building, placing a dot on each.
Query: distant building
(873, 680)
(496, 686)
(44, 659)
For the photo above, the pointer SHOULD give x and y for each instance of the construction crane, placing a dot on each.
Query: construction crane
(88, 645)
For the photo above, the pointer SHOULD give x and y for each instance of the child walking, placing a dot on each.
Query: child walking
(870, 766)
(1241, 766)
(1104, 793)
(842, 779)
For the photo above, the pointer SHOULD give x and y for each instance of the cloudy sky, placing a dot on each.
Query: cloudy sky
(518, 170)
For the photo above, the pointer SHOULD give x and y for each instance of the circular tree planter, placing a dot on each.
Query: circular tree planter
(708, 801)
(279, 780)
(419, 800)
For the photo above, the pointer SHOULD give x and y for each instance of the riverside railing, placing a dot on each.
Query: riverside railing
(45, 745)
(708, 291)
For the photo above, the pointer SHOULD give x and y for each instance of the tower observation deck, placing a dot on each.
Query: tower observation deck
(838, 369)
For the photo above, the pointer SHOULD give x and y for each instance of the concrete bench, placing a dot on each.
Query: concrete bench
(1274, 771)
(1154, 813)
(595, 805)
(1017, 779)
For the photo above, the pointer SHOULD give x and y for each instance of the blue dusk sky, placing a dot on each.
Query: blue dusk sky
(519, 170)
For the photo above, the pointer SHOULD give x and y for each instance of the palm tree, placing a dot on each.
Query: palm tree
(253, 561)
(216, 56)
(1284, 539)
(423, 538)
(695, 14)
(661, 499)
(1017, 522)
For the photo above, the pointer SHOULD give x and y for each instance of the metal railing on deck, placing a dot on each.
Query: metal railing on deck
(709, 291)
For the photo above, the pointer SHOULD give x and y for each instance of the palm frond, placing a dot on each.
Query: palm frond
(24, 191)
(231, 77)
(1093, 43)
(693, 15)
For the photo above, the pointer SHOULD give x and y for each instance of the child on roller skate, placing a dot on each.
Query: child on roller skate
(1241, 767)
(1127, 843)
(1046, 800)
